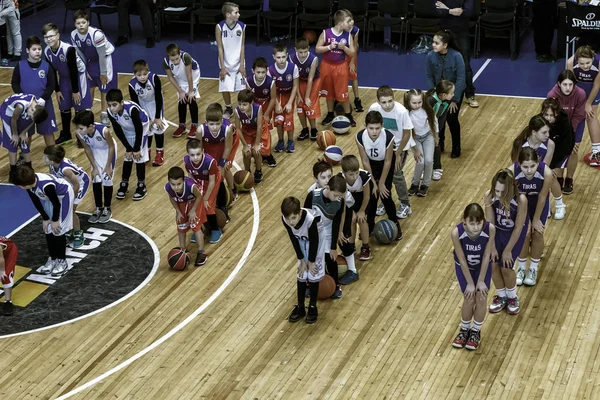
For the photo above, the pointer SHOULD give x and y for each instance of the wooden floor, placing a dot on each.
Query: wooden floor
(388, 337)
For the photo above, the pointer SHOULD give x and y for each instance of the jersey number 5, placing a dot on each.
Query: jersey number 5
(473, 259)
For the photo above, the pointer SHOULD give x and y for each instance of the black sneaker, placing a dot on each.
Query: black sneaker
(297, 313)
(312, 315)
(352, 121)
(413, 190)
(122, 192)
(303, 134)
(270, 161)
(201, 259)
(63, 138)
(327, 120)
(399, 237)
(8, 308)
(422, 191)
(228, 112)
(358, 105)
(568, 186)
(313, 134)
(258, 176)
(121, 40)
(140, 192)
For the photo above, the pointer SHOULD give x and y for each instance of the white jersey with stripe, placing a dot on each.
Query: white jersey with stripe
(232, 44)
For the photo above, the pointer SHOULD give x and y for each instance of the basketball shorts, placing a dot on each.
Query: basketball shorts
(212, 199)
(234, 81)
(84, 184)
(587, 88)
(48, 126)
(314, 111)
(150, 108)
(66, 213)
(183, 83)
(579, 132)
(94, 72)
(462, 280)
(195, 223)
(216, 151)
(285, 119)
(319, 264)
(265, 139)
(263, 107)
(100, 161)
(10, 261)
(66, 90)
(503, 237)
(352, 75)
(563, 163)
(531, 205)
(334, 81)
(143, 151)
(7, 134)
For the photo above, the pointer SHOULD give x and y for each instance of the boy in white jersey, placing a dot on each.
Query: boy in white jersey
(231, 36)
(101, 149)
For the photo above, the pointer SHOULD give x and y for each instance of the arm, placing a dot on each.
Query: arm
(462, 260)
(309, 83)
(308, 201)
(158, 97)
(15, 81)
(366, 162)
(519, 222)
(37, 203)
(259, 122)
(592, 96)
(542, 199)
(440, 8)
(349, 48)
(387, 164)
(197, 202)
(487, 255)
(550, 153)
(228, 144)
(272, 100)
(366, 197)
(73, 73)
(70, 176)
(13, 122)
(290, 102)
(50, 191)
(100, 43)
(295, 243)
(320, 47)
(238, 127)
(460, 84)
(88, 152)
(429, 72)
(139, 129)
(188, 75)
(219, 41)
(111, 151)
(313, 241)
(337, 223)
(133, 95)
(210, 187)
(243, 54)
(120, 134)
(52, 85)
(579, 108)
(180, 93)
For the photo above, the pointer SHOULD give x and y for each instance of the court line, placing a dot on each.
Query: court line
(191, 317)
(480, 70)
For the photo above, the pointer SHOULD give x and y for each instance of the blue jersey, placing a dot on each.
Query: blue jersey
(67, 164)
(188, 191)
(87, 44)
(585, 79)
(249, 122)
(7, 108)
(473, 249)
(541, 150)
(505, 219)
(304, 67)
(34, 80)
(58, 60)
(125, 122)
(530, 187)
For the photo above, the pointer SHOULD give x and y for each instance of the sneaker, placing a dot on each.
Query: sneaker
(215, 236)
(297, 313)
(472, 102)
(78, 240)
(312, 315)
(46, 268)
(140, 192)
(404, 211)
(352, 121)
(365, 253)
(8, 308)
(93, 219)
(290, 148)
(280, 146)
(531, 278)
(303, 134)
(192, 133)
(313, 134)
(560, 211)
(122, 192)
(498, 304)
(200, 259)
(422, 191)
(328, 118)
(358, 105)
(461, 339)
(104, 119)
(595, 159)
(568, 186)
(338, 293)
(413, 190)
(258, 177)
(193, 238)
(520, 276)
(512, 306)
(380, 210)
(474, 340)
(179, 131)
(63, 137)
(270, 161)
(228, 112)
(105, 216)
(159, 159)
(349, 277)
(60, 268)
(4, 62)
(437, 174)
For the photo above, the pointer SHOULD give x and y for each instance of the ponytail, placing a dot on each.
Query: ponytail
(536, 123)
(447, 37)
(426, 106)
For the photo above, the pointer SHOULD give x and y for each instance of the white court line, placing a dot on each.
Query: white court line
(485, 64)
(190, 318)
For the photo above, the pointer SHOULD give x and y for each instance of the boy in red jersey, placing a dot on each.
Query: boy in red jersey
(285, 74)
(309, 88)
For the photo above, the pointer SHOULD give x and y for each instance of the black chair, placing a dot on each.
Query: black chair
(474, 24)
(314, 12)
(74, 5)
(175, 11)
(390, 13)
(360, 11)
(104, 8)
(279, 11)
(424, 19)
(501, 17)
(250, 9)
(206, 12)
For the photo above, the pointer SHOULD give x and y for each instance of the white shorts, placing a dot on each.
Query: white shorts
(66, 213)
(100, 158)
(84, 185)
(150, 109)
(319, 264)
(183, 83)
(143, 150)
(184, 87)
(233, 82)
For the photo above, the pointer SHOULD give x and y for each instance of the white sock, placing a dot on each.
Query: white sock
(350, 262)
(477, 326)
(501, 292)
(595, 147)
(511, 293)
(465, 324)
(534, 264)
(521, 263)
(558, 201)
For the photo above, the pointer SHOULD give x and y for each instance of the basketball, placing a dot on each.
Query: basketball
(586, 159)
(311, 36)
(325, 138)
(243, 180)
(178, 258)
(221, 218)
(333, 155)
(340, 124)
(326, 287)
(342, 266)
(385, 231)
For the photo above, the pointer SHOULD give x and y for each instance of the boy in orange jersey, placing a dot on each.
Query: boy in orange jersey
(309, 89)
(285, 74)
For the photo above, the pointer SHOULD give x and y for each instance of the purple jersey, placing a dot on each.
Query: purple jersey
(304, 67)
(209, 138)
(203, 170)
(87, 44)
(8, 106)
(335, 56)
(58, 60)
(188, 191)
(247, 121)
(541, 150)
(354, 31)
(473, 249)
(530, 187)
(505, 219)
(585, 79)
(262, 92)
(34, 80)
(61, 187)
(284, 81)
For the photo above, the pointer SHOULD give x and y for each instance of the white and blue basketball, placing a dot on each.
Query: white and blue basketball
(340, 124)
(385, 231)
(333, 154)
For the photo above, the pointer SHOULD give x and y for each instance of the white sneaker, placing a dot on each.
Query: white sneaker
(60, 267)
(437, 174)
(404, 211)
(46, 268)
(531, 278)
(520, 276)
(595, 159)
(560, 211)
(380, 210)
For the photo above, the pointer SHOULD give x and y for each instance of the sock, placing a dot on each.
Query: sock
(477, 326)
(351, 263)
(314, 293)
(521, 263)
(511, 293)
(182, 112)
(228, 106)
(50, 245)
(301, 293)
(97, 189)
(501, 292)
(332, 268)
(61, 246)
(595, 147)
(160, 141)
(465, 324)
(108, 192)
(126, 173)
(534, 264)
(194, 112)
(140, 172)
(558, 201)
(150, 142)
(212, 222)
(65, 117)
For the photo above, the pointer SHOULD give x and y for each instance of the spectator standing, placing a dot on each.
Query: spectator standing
(144, 9)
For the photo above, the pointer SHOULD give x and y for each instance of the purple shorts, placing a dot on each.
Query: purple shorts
(47, 127)
(579, 132)
(7, 134)
(563, 163)
(532, 203)
(66, 90)
(462, 280)
(503, 237)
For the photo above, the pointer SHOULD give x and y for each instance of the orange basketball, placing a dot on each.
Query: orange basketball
(243, 180)
(221, 218)
(325, 138)
(178, 258)
(326, 287)
(311, 36)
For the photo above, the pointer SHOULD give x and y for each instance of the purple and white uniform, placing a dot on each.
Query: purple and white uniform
(125, 122)
(262, 92)
(93, 45)
(284, 79)
(82, 177)
(181, 76)
(304, 67)
(232, 39)
(531, 188)
(7, 110)
(335, 56)
(146, 93)
(473, 250)
(202, 172)
(541, 150)
(188, 191)
(35, 81)
(504, 221)
(100, 151)
(64, 191)
(585, 79)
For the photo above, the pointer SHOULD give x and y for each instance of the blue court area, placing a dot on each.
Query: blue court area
(382, 65)
(16, 208)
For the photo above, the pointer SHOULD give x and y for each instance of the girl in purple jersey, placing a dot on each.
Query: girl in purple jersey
(507, 209)
(537, 136)
(534, 178)
(473, 241)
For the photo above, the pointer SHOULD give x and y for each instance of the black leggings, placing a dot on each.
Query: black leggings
(182, 111)
(454, 125)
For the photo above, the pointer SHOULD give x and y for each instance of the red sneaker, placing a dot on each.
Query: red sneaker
(192, 133)
(474, 340)
(365, 253)
(179, 131)
(461, 339)
(159, 159)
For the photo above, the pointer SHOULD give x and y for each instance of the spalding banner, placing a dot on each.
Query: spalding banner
(582, 19)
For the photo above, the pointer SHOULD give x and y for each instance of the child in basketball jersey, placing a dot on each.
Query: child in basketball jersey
(309, 88)
(73, 85)
(302, 228)
(285, 75)
(8, 262)
(101, 150)
(37, 77)
(265, 93)
(425, 134)
(353, 68)
(537, 136)
(184, 74)
(255, 137)
(327, 204)
(335, 44)
(376, 149)
(534, 178)
(507, 209)
(190, 213)
(439, 99)
(359, 184)
(230, 35)
(473, 241)
(61, 167)
(131, 125)
(97, 51)
(19, 112)
(53, 199)
(205, 172)
(396, 119)
(145, 89)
